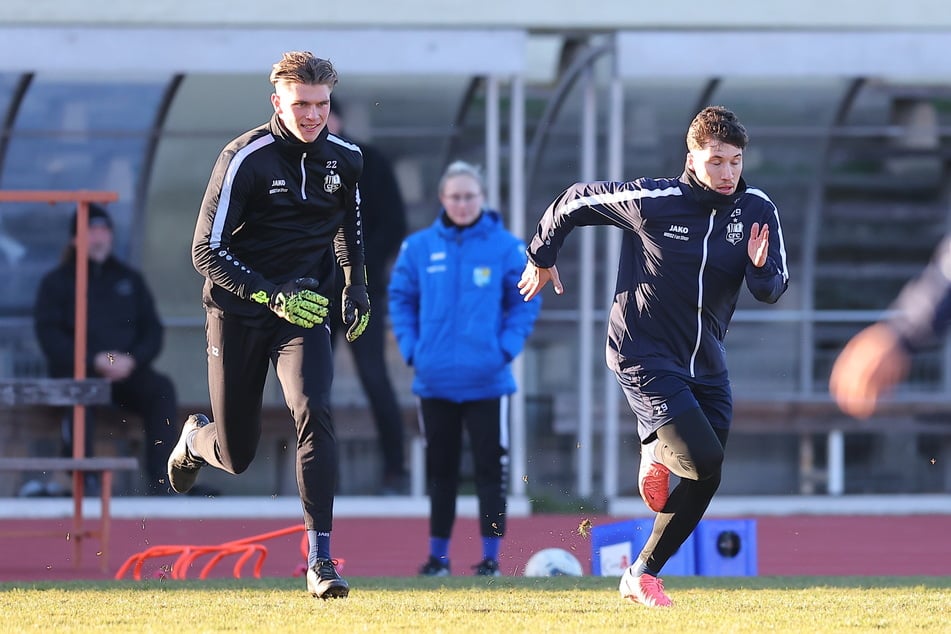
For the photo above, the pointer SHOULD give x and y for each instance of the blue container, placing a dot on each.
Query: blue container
(726, 548)
(615, 546)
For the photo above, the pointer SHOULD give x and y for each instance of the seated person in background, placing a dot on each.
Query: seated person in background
(124, 338)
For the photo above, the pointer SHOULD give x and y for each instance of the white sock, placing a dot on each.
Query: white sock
(188, 444)
(647, 450)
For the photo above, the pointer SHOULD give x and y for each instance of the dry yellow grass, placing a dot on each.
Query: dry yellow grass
(506, 605)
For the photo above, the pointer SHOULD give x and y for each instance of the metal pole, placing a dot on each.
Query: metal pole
(835, 447)
(79, 357)
(586, 297)
(612, 255)
(492, 132)
(517, 224)
(82, 200)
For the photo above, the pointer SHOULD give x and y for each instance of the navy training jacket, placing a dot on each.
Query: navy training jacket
(683, 260)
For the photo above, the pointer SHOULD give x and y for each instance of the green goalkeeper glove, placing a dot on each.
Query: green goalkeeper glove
(355, 303)
(297, 302)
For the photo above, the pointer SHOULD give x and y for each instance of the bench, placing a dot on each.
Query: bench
(35, 429)
(62, 392)
(77, 393)
(819, 416)
(806, 417)
(103, 466)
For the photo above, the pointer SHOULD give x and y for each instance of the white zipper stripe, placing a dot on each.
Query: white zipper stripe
(224, 198)
(303, 177)
(703, 265)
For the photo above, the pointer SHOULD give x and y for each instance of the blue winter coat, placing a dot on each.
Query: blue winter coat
(456, 310)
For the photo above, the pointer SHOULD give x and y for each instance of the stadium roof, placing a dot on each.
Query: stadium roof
(894, 54)
(237, 50)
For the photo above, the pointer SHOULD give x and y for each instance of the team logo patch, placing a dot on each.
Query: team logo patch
(734, 232)
(331, 183)
(481, 275)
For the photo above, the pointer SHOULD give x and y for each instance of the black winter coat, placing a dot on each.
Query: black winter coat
(122, 316)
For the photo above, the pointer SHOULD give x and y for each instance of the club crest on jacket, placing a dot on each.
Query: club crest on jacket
(331, 183)
(481, 275)
(734, 231)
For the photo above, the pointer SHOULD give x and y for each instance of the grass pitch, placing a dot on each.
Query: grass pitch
(504, 605)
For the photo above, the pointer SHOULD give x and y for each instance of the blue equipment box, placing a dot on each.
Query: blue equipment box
(726, 548)
(615, 546)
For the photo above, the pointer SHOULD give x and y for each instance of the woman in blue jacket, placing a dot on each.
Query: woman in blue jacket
(459, 320)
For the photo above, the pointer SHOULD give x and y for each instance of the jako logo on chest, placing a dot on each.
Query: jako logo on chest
(278, 186)
(677, 232)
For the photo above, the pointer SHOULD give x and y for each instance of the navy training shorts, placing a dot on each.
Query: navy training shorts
(657, 397)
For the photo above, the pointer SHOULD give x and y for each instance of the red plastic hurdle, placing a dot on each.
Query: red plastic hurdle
(246, 548)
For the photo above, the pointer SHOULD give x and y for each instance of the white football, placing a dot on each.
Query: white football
(553, 562)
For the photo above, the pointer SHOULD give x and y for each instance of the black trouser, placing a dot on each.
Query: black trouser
(238, 357)
(152, 396)
(693, 450)
(486, 423)
(368, 356)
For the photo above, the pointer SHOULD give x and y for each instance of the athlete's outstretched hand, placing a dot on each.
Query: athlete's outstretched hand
(867, 368)
(758, 245)
(296, 301)
(534, 279)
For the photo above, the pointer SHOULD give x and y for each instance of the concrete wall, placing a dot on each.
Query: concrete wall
(531, 14)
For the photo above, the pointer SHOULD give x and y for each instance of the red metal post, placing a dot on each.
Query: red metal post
(82, 198)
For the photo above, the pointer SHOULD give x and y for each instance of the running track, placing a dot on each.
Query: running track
(788, 545)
